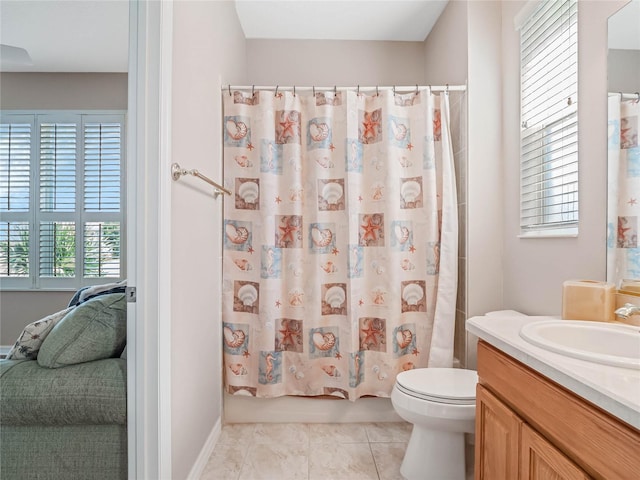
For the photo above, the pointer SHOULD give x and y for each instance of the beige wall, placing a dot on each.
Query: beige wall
(485, 195)
(18, 309)
(534, 269)
(331, 62)
(208, 50)
(623, 70)
(445, 48)
(63, 91)
(446, 62)
(51, 91)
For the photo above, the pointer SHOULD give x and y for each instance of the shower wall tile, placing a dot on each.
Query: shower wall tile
(459, 338)
(460, 162)
(461, 300)
(454, 105)
(462, 232)
(459, 143)
(463, 121)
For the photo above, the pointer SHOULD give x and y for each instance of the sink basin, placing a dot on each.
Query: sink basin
(605, 343)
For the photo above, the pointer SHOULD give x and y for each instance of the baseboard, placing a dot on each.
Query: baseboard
(241, 409)
(205, 453)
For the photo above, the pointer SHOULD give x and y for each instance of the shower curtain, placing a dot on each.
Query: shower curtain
(623, 252)
(340, 241)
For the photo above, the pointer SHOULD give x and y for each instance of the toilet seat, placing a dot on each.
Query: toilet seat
(453, 386)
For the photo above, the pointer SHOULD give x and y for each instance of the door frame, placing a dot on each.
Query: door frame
(149, 239)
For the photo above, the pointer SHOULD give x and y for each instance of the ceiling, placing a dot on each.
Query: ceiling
(624, 27)
(65, 35)
(399, 20)
(92, 35)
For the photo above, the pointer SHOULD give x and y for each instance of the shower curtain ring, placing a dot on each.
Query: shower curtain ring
(294, 90)
(416, 89)
(313, 88)
(253, 90)
(638, 97)
(446, 92)
(335, 91)
(276, 94)
(229, 89)
(377, 93)
(394, 90)
(358, 91)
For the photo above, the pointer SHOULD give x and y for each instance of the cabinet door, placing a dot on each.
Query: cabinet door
(540, 460)
(497, 438)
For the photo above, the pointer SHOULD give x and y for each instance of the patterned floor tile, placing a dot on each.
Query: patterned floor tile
(388, 458)
(276, 461)
(225, 463)
(282, 433)
(352, 461)
(237, 434)
(337, 433)
(388, 432)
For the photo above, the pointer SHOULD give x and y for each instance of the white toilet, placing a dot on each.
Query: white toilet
(440, 402)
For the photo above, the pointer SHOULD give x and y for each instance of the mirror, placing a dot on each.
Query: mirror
(623, 202)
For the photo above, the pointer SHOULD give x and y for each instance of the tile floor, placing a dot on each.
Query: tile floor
(284, 451)
(290, 451)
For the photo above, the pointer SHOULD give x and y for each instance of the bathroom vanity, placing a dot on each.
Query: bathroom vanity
(543, 415)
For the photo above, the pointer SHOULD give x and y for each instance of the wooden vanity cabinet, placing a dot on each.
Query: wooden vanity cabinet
(528, 427)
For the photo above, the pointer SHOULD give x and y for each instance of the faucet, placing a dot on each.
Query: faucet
(627, 310)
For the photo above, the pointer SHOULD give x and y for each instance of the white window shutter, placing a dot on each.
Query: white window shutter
(61, 199)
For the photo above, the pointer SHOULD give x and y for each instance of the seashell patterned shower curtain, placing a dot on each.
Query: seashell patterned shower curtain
(623, 160)
(340, 241)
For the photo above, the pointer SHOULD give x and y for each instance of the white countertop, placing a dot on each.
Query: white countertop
(614, 389)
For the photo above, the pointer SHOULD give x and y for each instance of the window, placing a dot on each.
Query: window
(549, 116)
(61, 199)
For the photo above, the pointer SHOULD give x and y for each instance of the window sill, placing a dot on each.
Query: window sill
(560, 233)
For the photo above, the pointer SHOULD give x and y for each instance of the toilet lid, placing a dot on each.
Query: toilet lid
(444, 385)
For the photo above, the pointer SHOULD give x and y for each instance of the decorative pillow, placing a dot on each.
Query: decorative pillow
(31, 338)
(93, 330)
(87, 293)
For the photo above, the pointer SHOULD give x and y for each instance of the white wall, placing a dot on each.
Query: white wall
(332, 62)
(208, 50)
(534, 269)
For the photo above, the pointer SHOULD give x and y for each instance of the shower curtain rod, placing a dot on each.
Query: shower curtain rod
(630, 96)
(406, 89)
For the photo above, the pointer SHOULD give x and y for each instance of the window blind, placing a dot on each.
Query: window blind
(549, 115)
